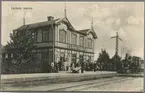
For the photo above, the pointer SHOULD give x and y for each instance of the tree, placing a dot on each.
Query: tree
(116, 62)
(103, 60)
(135, 64)
(21, 42)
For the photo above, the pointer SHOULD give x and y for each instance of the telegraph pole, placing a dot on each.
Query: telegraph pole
(117, 42)
(116, 49)
(24, 19)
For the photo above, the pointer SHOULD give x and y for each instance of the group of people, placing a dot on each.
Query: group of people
(61, 66)
(66, 65)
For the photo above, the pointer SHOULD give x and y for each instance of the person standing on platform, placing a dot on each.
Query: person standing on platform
(69, 64)
(56, 67)
(94, 66)
(65, 65)
(52, 66)
(82, 66)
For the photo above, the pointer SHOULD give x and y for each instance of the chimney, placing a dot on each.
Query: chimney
(49, 18)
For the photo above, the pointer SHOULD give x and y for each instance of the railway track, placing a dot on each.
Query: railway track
(91, 84)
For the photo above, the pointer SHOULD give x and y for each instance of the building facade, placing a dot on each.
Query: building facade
(57, 41)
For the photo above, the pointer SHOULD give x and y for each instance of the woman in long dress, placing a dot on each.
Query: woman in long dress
(65, 65)
(69, 64)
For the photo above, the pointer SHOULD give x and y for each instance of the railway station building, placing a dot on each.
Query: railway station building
(56, 40)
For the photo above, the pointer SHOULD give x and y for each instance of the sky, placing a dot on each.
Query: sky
(126, 18)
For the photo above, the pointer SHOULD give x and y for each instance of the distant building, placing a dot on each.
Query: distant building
(58, 41)
(142, 65)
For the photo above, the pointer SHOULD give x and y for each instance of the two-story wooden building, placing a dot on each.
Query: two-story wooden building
(58, 41)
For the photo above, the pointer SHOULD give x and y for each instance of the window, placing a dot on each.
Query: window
(6, 56)
(89, 58)
(34, 51)
(89, 43)
(3, 55)
(9, 55)
(45, 50)
(45, 36)
(50, 56)
(45, 58)
(62, 56)
(39, 50)
(34, 36)
(62, 35)
(81, 58)
(74, 39)
(81, 41)
(50, 32)
(38, 58)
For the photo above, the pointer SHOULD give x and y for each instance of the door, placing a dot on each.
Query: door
(74, 59)
(45, 66)
(61, 62)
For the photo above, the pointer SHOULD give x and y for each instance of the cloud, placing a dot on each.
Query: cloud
(118, 17)
(122, 33)
(117, 21)
(134, 21)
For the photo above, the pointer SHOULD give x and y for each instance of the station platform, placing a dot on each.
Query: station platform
(132, 75)
(36, 79)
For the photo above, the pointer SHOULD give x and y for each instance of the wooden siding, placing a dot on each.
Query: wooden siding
(68, 43)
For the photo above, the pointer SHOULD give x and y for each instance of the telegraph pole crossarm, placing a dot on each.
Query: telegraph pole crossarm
(117, 42)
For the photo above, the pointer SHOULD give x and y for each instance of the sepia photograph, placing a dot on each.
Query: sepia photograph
(72, 46)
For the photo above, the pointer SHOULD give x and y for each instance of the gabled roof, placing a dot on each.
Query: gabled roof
(87, 31)
(84, 31)
(94, 34)
(67, 22)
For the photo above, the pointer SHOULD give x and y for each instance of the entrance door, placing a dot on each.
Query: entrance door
(45, 66)
(61, 63)
(81, 61)
(74, 59)
(81, 58)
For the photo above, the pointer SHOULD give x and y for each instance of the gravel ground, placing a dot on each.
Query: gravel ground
(107, 84)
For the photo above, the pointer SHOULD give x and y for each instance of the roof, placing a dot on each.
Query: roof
(66, 21)
(94, 34)
(84, 31)
(87, 31)
(57, 21)
(37, 25)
